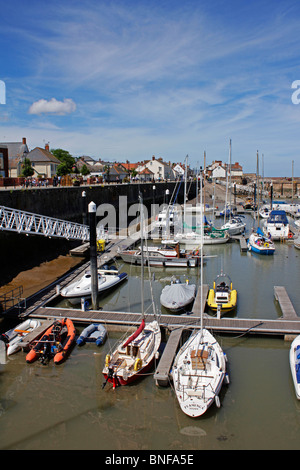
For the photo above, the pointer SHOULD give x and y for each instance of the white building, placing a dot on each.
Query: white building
(160, 169)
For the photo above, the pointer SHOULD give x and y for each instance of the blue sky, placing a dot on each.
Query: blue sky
(128, 79)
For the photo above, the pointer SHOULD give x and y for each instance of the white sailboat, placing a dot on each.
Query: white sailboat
(199, 368)
(234, 225)
(135, 355)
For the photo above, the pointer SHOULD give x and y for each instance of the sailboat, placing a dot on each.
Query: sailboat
(135, 355)
(234, 225)
(199, 368)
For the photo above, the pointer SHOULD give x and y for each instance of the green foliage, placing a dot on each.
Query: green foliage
(84, 170)
(67, 161)
(27, 169)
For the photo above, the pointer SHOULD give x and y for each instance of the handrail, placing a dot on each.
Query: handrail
(14, 220)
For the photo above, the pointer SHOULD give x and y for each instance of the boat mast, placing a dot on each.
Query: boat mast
(142, 253)
(185, 178)
(229, 217)
(201, 259)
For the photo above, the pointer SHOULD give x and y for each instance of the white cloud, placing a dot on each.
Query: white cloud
(53, 106)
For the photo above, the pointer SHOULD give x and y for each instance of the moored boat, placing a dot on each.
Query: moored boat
(13, 337)
(178, 295)
(234, 226)
(199, 367)
(133, 357)
(56, 342)
(259, 243)
(277, 226)
(222, 296)
(94, 333)
(160, 256)
(107, 279)
(294, 357)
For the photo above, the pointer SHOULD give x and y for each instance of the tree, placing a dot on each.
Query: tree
(67, 161)
(27, 169)
(84, 170)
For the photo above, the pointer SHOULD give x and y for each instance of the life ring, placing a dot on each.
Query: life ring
(107, 360)
(266, 245)
(137, 364)
(290, 235)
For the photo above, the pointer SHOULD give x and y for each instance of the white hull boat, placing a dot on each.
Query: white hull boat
(178, 295)
(259, 243)
(198, 373)
(13, 338)
(297, 243)
(295, 364)
(107, 279)
(277, 225)
(193, 240)
(156, 256)
(133, 357)
(234, 226)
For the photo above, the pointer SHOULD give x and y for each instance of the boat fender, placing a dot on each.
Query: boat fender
(137, 364)
(107, 360)
(217, 400)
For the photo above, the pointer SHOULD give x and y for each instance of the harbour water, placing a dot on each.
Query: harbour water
(65, 407)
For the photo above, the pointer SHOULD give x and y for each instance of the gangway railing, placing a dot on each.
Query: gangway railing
(14, 220)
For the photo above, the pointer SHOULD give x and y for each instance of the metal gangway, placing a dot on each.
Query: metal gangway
(27, 223)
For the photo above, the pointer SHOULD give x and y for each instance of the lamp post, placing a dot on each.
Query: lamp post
(93, 254)
(83, 195)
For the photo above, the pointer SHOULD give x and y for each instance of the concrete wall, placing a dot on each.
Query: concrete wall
(66, 202)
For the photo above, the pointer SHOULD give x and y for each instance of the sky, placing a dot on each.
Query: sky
(124, 80)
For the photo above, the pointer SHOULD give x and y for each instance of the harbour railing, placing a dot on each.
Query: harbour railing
(14, 220)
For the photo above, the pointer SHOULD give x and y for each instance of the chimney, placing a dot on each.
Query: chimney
(24, 140)
(153, 157)
(47, 147)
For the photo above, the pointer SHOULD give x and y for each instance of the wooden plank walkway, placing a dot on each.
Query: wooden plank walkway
(285, 303)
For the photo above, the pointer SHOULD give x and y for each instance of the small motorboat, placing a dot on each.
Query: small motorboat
(234, 226)
(277, 225)
(177, 295)
(94, 333)
(107, 278)
(161, 256)
(259, 243)
(222, 296)
(295, 364)
(56, 342)
(13, 337)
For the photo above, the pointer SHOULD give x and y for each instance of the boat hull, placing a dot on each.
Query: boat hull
(168, 262)
(176, 297)
(49, 339)
(226, 306)
(94, 333)
(197, 387)
(135, 357)
(14, 337)
(295, 364)
(74, 296)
